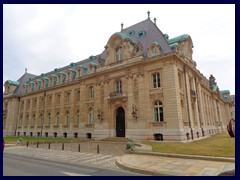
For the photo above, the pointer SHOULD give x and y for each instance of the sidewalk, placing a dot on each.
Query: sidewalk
(173, 166)
(142, 160)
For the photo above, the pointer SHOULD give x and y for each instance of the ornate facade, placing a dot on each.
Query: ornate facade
(142, 86)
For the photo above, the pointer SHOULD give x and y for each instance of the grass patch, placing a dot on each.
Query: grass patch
(40, 139)
(219, 145)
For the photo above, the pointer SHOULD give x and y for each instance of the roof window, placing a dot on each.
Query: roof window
(130, 33)
(141, 33)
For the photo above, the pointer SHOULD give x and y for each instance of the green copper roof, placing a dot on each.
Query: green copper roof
(15, 83)
(225, 92)
(214, 89)
(124, 37)
(173, 45)
(178, 38)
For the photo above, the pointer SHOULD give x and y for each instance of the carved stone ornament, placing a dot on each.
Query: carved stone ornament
(137, 50)
(101, 61)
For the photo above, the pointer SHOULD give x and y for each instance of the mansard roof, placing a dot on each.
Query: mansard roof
(145, 33)
(21, 81)
(15, 83)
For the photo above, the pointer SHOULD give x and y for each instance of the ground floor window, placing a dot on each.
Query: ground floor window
(158, 111)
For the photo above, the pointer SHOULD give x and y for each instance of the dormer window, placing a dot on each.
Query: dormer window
(154, 50)
(130, 33)
(141, 34)
(118, 56)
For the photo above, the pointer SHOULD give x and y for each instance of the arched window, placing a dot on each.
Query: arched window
(118, 54)
(118, 86)
(91, 116)
(77, 117)
(158, 111)
(49, 119)
(156, 80)
(67, 118)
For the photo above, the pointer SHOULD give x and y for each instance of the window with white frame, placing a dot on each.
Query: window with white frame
(156, 80)
(67, 118)
(118, 54)
(118, 86)
(77, 117)
(91, 116)
(158, 111)
(91, 92)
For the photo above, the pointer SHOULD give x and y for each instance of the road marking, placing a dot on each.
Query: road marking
(74, 174)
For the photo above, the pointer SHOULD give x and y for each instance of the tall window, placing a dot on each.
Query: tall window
(27, 120)
(91, 92)
(58, 99)
(68, 98)
(41, 119)
(156, 80)
(67, 118)
(78, 96)
(118, 54)
(180, 80)
(49, 119)
(90, 116)
(57, 118)
(78, 118)
(158, 111)
(119, 86)
(34, 120)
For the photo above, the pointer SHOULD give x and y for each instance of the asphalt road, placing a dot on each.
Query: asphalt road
(14, 165)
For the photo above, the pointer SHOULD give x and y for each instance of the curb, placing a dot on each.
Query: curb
(222, 159)
(121, 165)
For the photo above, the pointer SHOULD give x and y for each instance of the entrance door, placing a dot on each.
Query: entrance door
(120, 122)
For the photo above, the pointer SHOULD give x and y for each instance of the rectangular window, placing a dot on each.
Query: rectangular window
(58, 98)
(119, 86)
(68, 97)
(78, 96)
(91, 92)
(118, 54)
(156, 80)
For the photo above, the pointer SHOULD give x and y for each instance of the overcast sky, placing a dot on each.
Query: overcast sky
(43, 37)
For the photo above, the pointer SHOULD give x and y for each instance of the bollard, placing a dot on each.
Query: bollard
(79, 147)
(49, 145)
(98, 148)
(37, 144)
(27, 143)
(62, 146)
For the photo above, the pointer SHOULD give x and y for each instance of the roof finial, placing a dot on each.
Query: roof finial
(121, 26)
(148, 14)
(155, 19)
(25, 70)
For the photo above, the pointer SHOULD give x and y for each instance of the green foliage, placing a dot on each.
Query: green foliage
(219, 145)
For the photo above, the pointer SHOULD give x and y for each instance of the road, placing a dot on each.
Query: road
(15, 165)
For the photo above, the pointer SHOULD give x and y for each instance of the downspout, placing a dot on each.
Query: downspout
(184, 70)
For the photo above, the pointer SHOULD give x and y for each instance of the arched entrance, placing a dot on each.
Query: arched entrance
(120, 122)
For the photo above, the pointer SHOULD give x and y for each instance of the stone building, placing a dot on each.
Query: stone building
(144, 85)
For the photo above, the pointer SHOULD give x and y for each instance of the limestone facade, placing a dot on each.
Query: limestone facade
(133, 89)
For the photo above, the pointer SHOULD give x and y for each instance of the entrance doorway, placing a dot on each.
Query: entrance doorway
(120, 122)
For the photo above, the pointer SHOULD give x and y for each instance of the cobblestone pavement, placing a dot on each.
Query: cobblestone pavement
(97, 160)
